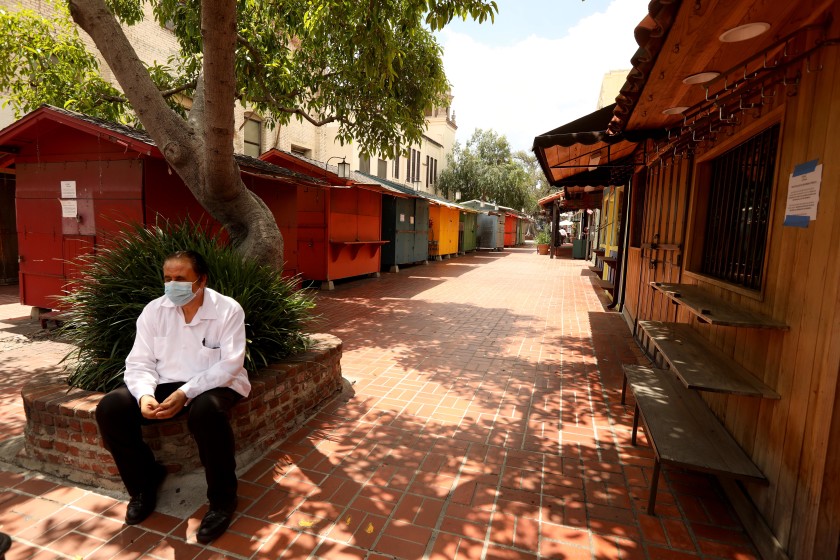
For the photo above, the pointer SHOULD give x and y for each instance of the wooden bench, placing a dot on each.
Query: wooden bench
(682, 429)
(714, 310)
(699, 364)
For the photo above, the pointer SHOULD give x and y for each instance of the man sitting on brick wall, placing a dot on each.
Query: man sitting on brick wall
(188, 359)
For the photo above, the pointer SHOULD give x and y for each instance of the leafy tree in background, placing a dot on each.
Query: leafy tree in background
(486, 169)
(536, 178)
(372, 67)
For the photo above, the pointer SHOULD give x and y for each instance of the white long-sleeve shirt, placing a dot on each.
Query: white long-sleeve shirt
(206, 353)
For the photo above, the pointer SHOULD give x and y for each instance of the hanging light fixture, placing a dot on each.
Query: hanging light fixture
(343, 167)
(700, 78)
(744, 32)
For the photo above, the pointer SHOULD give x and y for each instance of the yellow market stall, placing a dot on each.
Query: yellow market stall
(444, 220)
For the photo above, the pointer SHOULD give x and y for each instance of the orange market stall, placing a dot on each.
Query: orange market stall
(339, 226)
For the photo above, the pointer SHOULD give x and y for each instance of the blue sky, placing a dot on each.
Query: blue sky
(539, 66)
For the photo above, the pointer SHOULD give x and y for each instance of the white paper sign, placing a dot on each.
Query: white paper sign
(402, 217)
(69, 209)
(803, 194)
(68, 189)
(411, 219)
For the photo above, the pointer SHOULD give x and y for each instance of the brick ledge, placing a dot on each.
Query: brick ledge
(61, 437)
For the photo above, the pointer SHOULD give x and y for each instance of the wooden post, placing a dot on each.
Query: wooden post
(555, 218)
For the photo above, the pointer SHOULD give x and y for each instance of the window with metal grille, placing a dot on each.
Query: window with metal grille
(382, 169)
(740, 190)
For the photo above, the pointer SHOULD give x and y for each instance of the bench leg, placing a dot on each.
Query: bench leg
(635, 425)
(624, 389)
(653, 486)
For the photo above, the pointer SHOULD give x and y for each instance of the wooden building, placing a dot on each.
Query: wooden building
(340, 227)
(728, 123)
(79, 179)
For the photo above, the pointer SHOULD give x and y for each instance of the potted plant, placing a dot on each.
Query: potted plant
(543, 239)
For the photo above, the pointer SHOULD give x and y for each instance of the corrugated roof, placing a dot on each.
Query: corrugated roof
(416, 193)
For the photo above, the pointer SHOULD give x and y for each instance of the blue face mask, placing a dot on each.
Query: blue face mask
(179, 293)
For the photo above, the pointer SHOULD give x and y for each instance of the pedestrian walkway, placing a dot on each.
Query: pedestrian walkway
(483, 422)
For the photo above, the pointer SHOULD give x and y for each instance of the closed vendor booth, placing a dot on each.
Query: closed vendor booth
(339, 227)
(405, 225)
(444, 220)
(81, 179)
(490, 224)
(467, 231)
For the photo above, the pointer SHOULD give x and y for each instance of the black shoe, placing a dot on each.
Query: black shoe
(215, 523)
(5, 544)
(143, 504)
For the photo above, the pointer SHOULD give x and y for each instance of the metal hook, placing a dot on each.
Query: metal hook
(808, 66)
(766, 96)
(742, 107)
(795, 82)
(694, 137)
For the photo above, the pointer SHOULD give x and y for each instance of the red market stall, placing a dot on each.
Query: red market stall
(511, 221)
(340, 226)
(79, 179)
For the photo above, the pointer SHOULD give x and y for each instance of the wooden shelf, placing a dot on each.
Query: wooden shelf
(605, 284)
(609, 261)
(599, 252)
(700, 365)
(381, 242)
(596, 269)
(713, 310)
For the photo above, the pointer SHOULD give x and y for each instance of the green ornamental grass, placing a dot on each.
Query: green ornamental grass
(117, 281)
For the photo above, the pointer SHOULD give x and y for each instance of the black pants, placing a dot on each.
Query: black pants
(119, 419)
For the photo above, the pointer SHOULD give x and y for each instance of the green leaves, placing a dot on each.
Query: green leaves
(121, 278)
(373, 67)
(487, 170)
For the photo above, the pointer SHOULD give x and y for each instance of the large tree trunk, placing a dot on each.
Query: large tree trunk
(200, 150)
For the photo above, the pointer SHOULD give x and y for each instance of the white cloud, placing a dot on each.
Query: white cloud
(538, 84)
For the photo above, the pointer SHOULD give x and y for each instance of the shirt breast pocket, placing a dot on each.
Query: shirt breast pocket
(210, 356)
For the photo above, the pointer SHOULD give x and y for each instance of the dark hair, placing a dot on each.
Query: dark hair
(199, 265)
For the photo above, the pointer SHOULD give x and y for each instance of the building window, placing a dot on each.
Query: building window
(431, 171)
(738, 211)
(253, 137)
(382, 169)
(301, 151)
(364, 164)
(396, 166)
(413, 167)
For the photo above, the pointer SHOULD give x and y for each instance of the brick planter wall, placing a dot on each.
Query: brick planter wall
(61, 436)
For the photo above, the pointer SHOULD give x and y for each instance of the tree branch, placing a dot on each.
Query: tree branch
(167, 93)
(305, 115)
(257, 56)
(164, 125)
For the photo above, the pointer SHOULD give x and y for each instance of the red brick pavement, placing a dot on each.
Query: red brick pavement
(485, 424)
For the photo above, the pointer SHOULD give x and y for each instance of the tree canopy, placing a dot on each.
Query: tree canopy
(371, 67)
(486, 169)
